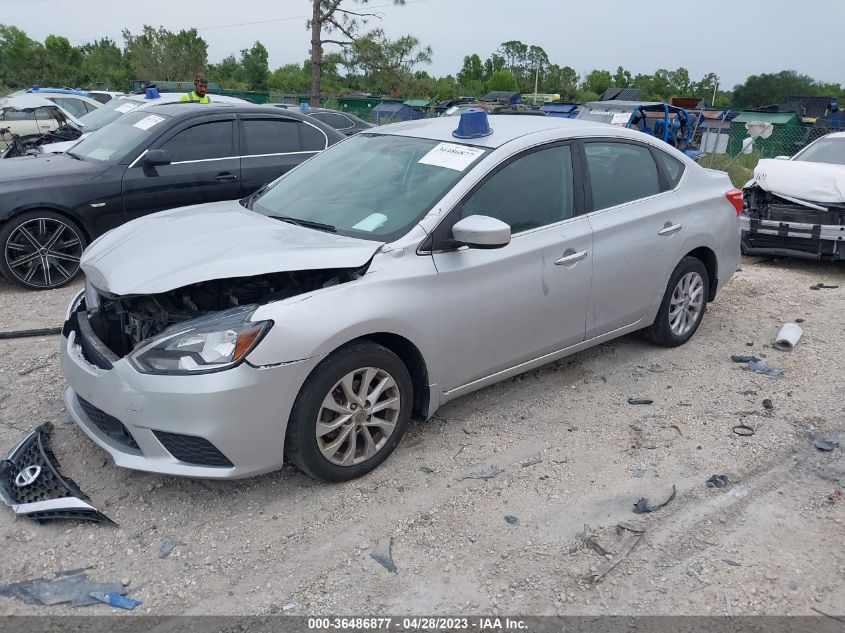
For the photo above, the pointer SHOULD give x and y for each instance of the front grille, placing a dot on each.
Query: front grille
(48, 485)
(35, 459)
(108, 424)
(193, 450)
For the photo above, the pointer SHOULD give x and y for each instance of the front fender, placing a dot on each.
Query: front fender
(398, 297)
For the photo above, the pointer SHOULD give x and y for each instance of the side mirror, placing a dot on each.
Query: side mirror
(157, 157)
(481, 231)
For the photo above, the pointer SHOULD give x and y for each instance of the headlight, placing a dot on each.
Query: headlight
(211, 343)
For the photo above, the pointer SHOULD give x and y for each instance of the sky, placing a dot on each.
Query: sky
(731, 39)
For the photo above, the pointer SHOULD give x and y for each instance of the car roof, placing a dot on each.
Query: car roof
(506, 128)
(176, 109)
(175, 97)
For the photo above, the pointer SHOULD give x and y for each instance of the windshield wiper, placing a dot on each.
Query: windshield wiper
(72, 155)
(306, 223)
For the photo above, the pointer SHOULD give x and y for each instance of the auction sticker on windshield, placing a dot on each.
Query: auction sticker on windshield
(147, 122)
(126, 107)
(451, 156)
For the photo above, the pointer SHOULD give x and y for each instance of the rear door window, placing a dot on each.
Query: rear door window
(672, 166)
(620, 173)
(260, 137)
(313, 139)
(337, 121)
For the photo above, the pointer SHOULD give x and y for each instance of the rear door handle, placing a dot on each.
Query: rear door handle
(670, 230)
(226, 177)
(571, 258)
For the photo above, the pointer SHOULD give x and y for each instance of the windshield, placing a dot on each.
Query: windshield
(826, 150)
(107, 113)
(369, 186)
(112, 144)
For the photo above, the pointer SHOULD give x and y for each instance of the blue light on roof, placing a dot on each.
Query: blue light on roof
(152, 93)
(304, 107)
(473, 124)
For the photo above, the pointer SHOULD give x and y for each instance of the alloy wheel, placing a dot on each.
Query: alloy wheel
(687, 303)
(43, 252)
(358, 416)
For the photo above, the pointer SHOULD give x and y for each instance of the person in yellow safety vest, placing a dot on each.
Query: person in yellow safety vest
(200, 91)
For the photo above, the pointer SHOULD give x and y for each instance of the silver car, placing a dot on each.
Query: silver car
(400, 269)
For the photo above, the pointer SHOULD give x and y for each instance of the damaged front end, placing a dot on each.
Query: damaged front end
(31, 484)
(774, 224)
(110, 327)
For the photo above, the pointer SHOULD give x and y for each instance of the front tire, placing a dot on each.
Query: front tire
(40, 250)
(683, 305)
(351, 413)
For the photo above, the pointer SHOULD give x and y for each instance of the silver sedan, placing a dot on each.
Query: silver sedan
(400, 269)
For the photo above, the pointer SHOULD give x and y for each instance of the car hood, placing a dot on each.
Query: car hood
(52, 166)
(223, 240)
(60, 148)
(816, 182)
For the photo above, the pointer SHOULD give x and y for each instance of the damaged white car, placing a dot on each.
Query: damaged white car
(398, 270)
(796, 207)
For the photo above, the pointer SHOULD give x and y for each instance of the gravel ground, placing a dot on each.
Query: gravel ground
(574, 458)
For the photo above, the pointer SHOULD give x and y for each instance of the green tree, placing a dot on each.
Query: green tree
(770, 88)
(598, 81)
(256, 69)
(332, 19)
(291, 78)
(385, 64)
(228, 73)
(502, 80)
(493, 64)
(164, 55)
(622, 78)
(103, 65)
(62, 61)
(560, 80)
(473, 70)
(21, 58)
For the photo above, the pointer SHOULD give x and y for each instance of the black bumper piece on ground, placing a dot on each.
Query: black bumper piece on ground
(31, 484)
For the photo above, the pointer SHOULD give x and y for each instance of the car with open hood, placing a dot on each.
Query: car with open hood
(400, 269)
(796, 206)
(148, 160)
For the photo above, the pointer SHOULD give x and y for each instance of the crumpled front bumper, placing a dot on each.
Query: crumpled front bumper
(31, 484)
(796, 239)
(223, 425)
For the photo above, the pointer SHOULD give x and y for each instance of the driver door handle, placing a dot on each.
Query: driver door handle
(669, 230)
(571, 258)
(226, 177)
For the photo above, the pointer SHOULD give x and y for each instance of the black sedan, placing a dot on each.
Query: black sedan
(158, 158)
(344, 122)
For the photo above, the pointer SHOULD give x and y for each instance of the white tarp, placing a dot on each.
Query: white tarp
(814, 182)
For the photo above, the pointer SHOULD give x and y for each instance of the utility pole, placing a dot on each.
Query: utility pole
(715, 87)
(536, 83)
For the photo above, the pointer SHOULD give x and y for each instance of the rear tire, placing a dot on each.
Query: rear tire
(683, 306)
(351, 413)
(40, 250)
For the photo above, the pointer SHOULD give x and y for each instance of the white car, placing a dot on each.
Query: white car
(30, 115)
(77, 102)
(104, 96)
(796, 206)
(119, 106)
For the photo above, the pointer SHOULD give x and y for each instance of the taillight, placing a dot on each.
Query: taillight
(734, 196)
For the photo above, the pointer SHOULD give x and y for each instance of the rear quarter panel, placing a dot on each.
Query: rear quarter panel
(712, 220)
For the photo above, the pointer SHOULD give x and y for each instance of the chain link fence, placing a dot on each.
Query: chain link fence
(725, 146)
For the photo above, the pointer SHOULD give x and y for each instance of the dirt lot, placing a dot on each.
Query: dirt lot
(769, 543)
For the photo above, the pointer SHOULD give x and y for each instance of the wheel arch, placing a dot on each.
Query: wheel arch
(413, 359)
(708, 257)
(67, 213)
